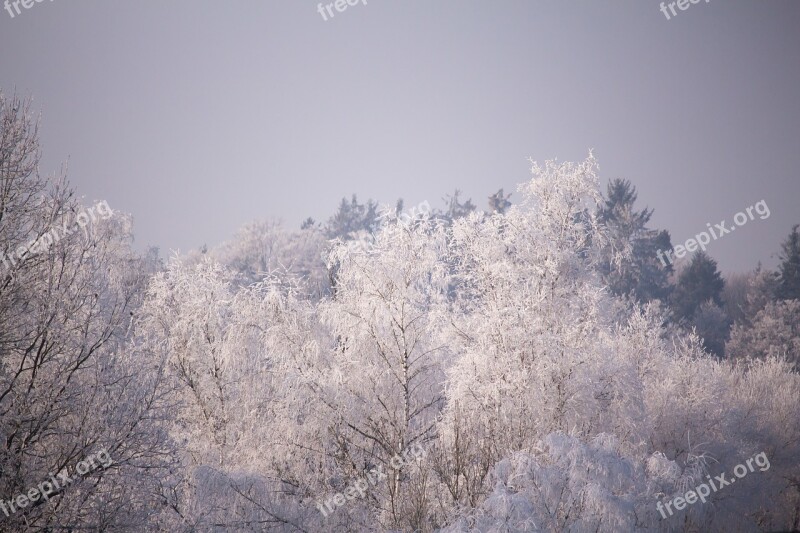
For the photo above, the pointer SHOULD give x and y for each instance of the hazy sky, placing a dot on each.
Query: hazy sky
(198, 116)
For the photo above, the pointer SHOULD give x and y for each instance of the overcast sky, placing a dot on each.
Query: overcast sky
(199, 116)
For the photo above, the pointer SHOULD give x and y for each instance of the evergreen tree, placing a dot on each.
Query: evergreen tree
(637, 273)
(789, 287)
(713, 325)
(697, 284)
(746, 294)
(457, 209)
(697, 303)
(351, 218)
(498, 202)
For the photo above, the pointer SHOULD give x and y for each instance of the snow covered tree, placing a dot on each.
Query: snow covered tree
(761, 290)
(542, 401)
(526, 306)
(567, 411)
(264, 249)
(775, 332)
(383, 390)
(69, 384)
(568, 485)
(217, 339)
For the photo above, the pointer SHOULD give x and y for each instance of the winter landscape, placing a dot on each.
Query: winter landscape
(358, 339)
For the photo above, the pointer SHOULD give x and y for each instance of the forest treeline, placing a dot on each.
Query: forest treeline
(552, 372)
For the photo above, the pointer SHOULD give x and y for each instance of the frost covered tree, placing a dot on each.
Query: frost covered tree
(541, 400)
(774, 332)
(383, 389)
(565, 411)
(217, 338)
(265, 249)
(70, 385)
(526, 305)
(762, 289)
(567, 485)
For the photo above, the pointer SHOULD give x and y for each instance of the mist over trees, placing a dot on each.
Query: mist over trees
(552, 373)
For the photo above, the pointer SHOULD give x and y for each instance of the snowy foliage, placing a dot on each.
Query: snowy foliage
(242, 388)
(70, 385)
(265, 249)
(543, 402)
(775, 332)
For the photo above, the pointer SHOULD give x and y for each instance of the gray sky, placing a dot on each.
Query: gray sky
(198, 116)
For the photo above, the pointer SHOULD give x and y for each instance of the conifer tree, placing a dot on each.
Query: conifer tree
(640, 274)
(789, 287)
